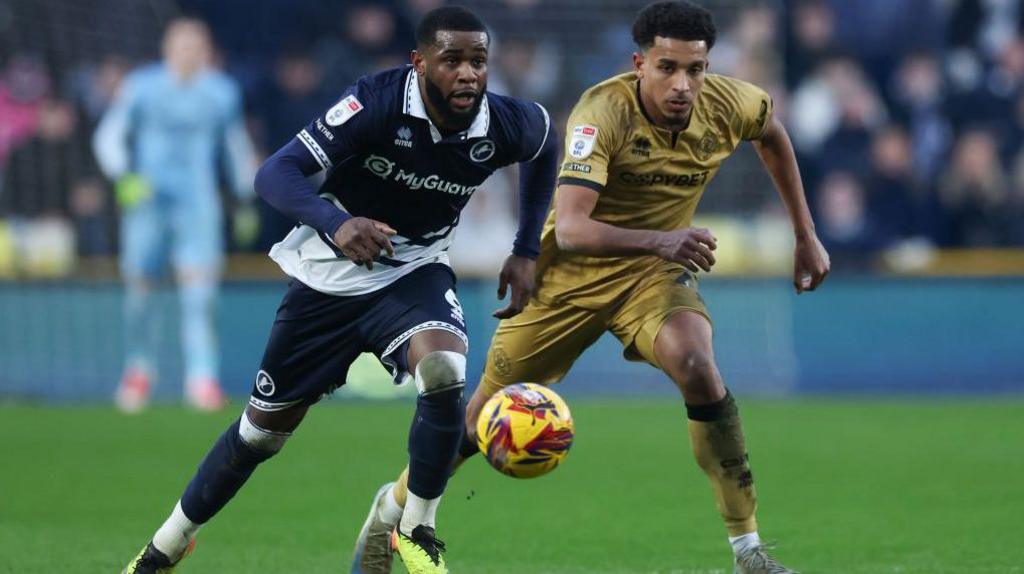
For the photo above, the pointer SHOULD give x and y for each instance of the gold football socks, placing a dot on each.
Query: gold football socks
(717, 438)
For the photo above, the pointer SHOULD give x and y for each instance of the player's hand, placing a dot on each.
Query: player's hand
(362, 239)
(692, 247)
(519, 273)
(245, 224)
(810, 264)
(131, 190)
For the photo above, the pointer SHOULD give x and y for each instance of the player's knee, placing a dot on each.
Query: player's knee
(695, 374)
(197, 299)
(440, 371)
(265, 441)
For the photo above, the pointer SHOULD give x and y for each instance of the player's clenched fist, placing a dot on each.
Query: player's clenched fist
(692, 247)
(362, 239)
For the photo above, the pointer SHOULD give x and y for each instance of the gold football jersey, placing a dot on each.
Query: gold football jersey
(647, 177)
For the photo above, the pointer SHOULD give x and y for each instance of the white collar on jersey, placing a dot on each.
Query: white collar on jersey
(413, 106)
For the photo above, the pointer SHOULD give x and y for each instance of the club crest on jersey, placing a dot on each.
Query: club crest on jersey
(264, 384)
(404, 138)
(501, 362)
(482, 151)
(582, 143)
(343, 111)
(707, 146)
(379, 166)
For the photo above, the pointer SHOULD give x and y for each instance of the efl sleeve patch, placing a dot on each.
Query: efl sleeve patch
(343, 111)
(582, 143)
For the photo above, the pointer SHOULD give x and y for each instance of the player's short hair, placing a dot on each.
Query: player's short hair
(450, 18)
(677, 19)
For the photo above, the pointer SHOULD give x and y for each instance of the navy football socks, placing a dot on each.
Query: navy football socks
(224, 470)
(437, 430)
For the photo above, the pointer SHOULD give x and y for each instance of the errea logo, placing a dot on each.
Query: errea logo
(404, 138)
(457, 312)
(642, 147)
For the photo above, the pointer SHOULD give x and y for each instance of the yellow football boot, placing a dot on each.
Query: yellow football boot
(420, 552)
(152, 561)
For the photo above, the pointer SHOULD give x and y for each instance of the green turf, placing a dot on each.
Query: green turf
(899, 486)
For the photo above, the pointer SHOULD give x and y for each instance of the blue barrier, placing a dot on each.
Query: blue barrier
(857, 335)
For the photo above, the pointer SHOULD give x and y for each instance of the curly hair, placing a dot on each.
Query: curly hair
(679, 20)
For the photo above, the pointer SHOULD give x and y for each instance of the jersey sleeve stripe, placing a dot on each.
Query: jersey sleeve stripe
(581, 182)
(314, 148)
(547, 129)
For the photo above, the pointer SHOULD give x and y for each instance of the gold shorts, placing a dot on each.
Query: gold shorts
(541, 344)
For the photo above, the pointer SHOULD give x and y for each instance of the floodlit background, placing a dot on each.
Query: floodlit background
(907, 117)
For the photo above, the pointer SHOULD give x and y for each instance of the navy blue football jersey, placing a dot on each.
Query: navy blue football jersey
(387, 161)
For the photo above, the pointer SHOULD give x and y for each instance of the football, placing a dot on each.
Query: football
(525, 430)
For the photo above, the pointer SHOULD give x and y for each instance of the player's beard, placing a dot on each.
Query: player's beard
(455, 120)
(675, 120)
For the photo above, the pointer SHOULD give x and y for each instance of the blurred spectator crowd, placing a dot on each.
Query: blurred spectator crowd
(907, 116)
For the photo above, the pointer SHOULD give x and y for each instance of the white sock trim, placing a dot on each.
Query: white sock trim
(390, 511)
(261, 439)
(418, 511)
(175, 534)
(745, 542)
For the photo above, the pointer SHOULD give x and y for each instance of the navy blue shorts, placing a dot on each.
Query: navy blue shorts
(316, 337)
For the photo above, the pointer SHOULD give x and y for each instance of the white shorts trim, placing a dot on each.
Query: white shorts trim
(271, 407)
(403, 377)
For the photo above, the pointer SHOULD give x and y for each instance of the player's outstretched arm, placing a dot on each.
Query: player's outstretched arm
(810, 261)
(281, 182)
(577, 231)
(238, 154)
(110, 141)
(536, 185)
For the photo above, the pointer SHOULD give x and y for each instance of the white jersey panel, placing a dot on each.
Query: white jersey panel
(304, 255)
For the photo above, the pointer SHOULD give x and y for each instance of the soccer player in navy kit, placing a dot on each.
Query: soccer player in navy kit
(404, 150)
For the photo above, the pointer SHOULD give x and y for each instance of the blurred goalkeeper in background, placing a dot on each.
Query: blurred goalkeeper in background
(162, 142)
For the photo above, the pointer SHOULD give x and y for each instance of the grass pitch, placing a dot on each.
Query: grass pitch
(845, 486)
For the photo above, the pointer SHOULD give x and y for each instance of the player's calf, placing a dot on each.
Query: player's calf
(436, 431)
(716, 435)
(224, 470)
(440, 378)
(467, 448)
(227, 466)
(433, 443)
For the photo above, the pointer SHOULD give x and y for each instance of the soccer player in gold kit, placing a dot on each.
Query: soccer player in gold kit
(618, 254)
